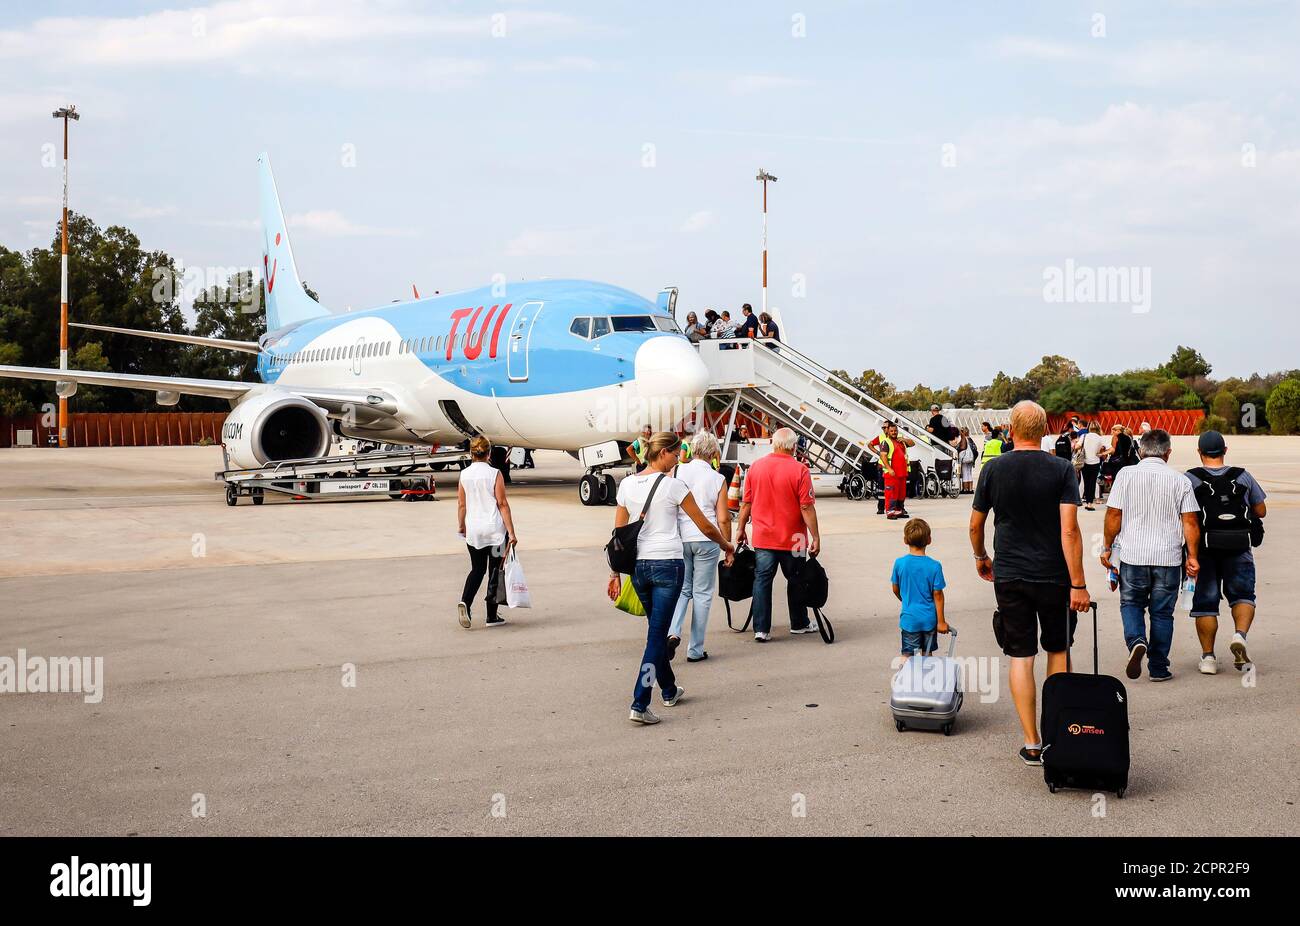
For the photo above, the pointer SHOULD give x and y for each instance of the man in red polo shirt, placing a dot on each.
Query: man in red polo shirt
(892, 450)
(779, 500)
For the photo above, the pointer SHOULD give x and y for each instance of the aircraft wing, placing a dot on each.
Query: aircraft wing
(248, 347)
(218, 388)
(368, 402)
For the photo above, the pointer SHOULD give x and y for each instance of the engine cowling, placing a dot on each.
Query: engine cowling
(274, 426)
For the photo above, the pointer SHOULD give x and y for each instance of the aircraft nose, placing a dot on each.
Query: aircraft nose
(670, 368)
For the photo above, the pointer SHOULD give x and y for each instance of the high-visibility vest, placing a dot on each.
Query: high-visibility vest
(887, 447)
(992, 448)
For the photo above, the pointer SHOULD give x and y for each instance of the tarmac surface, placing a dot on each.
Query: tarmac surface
(227, 635)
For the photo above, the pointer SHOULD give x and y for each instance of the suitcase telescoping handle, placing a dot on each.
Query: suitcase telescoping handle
(952, 641)
(1096, 670)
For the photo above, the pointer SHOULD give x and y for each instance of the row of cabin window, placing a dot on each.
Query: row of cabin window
(373, 349)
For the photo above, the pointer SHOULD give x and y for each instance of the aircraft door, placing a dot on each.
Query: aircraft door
(357, 350)
(521, 333)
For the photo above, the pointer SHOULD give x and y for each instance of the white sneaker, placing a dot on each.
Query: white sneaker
(462, 614)
(670, 702)
(645, 717)
(1238, 646)
(1209, 665)
(760, 637)
(811, 628)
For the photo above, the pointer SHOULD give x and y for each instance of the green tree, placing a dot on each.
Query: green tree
(1225, 405)
(872, 382)
(111, 281)
(1186, 362)
(1052, 370)
(237, 312)
(1284, 407)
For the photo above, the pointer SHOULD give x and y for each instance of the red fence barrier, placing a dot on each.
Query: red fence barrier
(1175, 421)
(120, 429)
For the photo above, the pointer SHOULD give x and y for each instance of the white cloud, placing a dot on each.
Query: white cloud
(285, 37)
(555, 242)
(332, 223)
(698, 221)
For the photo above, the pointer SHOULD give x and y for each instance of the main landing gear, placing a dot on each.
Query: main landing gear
(597, 488)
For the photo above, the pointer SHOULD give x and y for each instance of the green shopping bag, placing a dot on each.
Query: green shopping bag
(627, 599)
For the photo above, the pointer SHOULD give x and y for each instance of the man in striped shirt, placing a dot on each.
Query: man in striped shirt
(1151, 512)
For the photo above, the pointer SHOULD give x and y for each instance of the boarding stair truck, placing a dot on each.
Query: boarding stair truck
(394, 472)
(760, 376)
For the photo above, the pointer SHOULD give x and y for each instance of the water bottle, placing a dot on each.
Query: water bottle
(1188, 593)
(1113, 575)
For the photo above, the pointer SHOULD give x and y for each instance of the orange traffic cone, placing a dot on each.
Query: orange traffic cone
(734, 491)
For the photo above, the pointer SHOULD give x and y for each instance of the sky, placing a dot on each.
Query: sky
(962, 188)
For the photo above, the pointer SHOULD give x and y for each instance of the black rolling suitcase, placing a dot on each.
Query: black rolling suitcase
(1085, 728)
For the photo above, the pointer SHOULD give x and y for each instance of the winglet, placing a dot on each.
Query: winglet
(287, 301)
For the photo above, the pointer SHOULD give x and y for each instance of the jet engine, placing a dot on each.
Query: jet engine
(274, 426)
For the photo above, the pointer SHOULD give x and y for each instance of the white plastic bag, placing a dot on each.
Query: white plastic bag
(517, 594)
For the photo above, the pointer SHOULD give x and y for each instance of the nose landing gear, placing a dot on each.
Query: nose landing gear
(597, 488)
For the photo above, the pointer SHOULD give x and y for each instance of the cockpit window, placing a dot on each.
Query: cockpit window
(633, 323)
(599, 327)
(581, 327)
(664, 323)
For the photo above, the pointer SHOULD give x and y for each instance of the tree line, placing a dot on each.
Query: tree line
(1260, 402)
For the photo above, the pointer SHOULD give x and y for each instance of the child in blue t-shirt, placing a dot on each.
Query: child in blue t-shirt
(918, 584)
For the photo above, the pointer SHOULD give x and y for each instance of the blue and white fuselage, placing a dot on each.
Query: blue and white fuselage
(550, 364)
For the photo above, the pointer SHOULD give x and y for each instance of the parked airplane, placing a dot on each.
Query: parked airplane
(554, 364)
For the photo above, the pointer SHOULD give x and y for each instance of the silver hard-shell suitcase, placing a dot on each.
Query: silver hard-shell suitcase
(927, 692)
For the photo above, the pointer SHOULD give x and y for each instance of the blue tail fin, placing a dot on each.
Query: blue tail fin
(287, 303)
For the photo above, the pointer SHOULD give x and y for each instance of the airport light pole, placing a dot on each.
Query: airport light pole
(65, 113)
(763, 177)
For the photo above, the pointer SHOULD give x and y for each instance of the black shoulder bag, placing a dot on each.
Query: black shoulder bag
(621, 549)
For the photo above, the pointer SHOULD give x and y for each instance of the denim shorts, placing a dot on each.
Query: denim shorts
(1227, 574)
(923, 640)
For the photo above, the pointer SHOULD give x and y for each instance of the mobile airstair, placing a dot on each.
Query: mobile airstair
(769, 379)
(405, 474)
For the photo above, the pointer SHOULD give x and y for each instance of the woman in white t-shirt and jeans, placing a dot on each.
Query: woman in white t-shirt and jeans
(699, 553)
(1095, 449)
(483, 517)
(659, 564)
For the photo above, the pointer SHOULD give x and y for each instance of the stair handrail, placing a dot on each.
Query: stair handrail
(783, 350)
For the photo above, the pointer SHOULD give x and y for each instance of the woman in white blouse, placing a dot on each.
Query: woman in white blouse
(483, 516)
(659, 564)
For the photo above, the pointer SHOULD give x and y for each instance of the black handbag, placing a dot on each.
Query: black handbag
(736, 583)
(810, 587)
(621, 549)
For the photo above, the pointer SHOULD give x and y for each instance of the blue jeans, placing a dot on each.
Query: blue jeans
(765, 563)
(701, 558)
(1151, 589)
(922, 641)
(658, 583)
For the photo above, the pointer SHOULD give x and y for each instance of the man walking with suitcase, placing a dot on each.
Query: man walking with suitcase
(1151, 512)
(1037, 568)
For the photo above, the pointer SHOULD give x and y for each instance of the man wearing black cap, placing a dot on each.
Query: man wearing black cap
(1232, 513)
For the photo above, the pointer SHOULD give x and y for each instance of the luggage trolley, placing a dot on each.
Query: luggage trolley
(402, 475)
